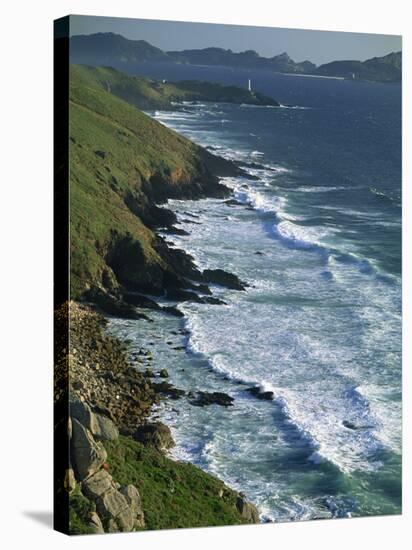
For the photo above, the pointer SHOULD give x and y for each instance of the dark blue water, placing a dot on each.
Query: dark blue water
(320, 325)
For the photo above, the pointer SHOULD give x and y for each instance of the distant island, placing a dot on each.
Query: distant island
(115, 50)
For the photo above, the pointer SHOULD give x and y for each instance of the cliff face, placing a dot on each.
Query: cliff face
(121, 164)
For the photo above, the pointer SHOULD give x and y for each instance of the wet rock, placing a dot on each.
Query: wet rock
(233, 202)
(223, 278)
(113, 305)
(214, 301)
(156, 435)
(212, 398)
(139, 300)
(257, 392)
(168, 389)
(149, 373)
(173, 230)
(163, 373)
(172, 310)
(349, 425)
(183, 295)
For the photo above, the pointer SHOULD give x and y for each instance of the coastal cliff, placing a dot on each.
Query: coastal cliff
(119, 477)
(122, 165)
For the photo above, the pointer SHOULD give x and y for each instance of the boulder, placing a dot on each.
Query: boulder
(111, 504)
(87, 455)
(97, 484)
(223, 278)
(163, 373)
(156, 435)
(247, 510)
(257, 392)
(100, 426)
(135, 504)
(95, 524)
(209, 398)
(168, 389)
(119, 507)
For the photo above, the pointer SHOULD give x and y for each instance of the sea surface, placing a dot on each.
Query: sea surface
(317, 236)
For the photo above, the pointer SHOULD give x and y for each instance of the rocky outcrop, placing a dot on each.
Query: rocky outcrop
(155, 435)
(100, 426)
(102, 376)
(109, 396)
(261, 394)
(223, 278)
(87, 455)
(209, 398)
(117, 508)
(247, 510)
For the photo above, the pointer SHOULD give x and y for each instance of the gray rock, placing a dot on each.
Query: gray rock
(97, 484)
(111, 504)
(135, 504)
(156, 435)
(125, 520)
(87, 455)
(100, 426)
(96, 524)
(247, 510)
(107, 430)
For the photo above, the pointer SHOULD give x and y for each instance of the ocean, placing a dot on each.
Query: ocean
(317, 236)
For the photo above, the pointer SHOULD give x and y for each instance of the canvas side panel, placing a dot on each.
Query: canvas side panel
(61, 274)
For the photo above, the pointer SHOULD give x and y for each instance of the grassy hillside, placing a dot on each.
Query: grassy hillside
(121, 162)
(174, 494)
(148, 94)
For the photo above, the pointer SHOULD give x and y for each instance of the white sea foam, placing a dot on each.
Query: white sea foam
(303, 236)
(323, 189)
(315, 329)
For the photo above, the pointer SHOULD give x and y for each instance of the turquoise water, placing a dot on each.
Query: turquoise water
(317, 236)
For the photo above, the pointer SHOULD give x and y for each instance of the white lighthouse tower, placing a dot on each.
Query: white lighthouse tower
(249, 85)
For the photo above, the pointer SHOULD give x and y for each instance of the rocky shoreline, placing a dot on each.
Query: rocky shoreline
(111, 396)
(119, 477)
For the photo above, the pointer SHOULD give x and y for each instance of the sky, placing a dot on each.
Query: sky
(316, 46)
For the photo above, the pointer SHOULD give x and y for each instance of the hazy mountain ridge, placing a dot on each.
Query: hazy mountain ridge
(383, 69)
(248, 58)
(119, 52)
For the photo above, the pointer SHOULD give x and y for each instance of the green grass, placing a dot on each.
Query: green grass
(148, 94)
(174, 494)
(114, 150)
(79, 513)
